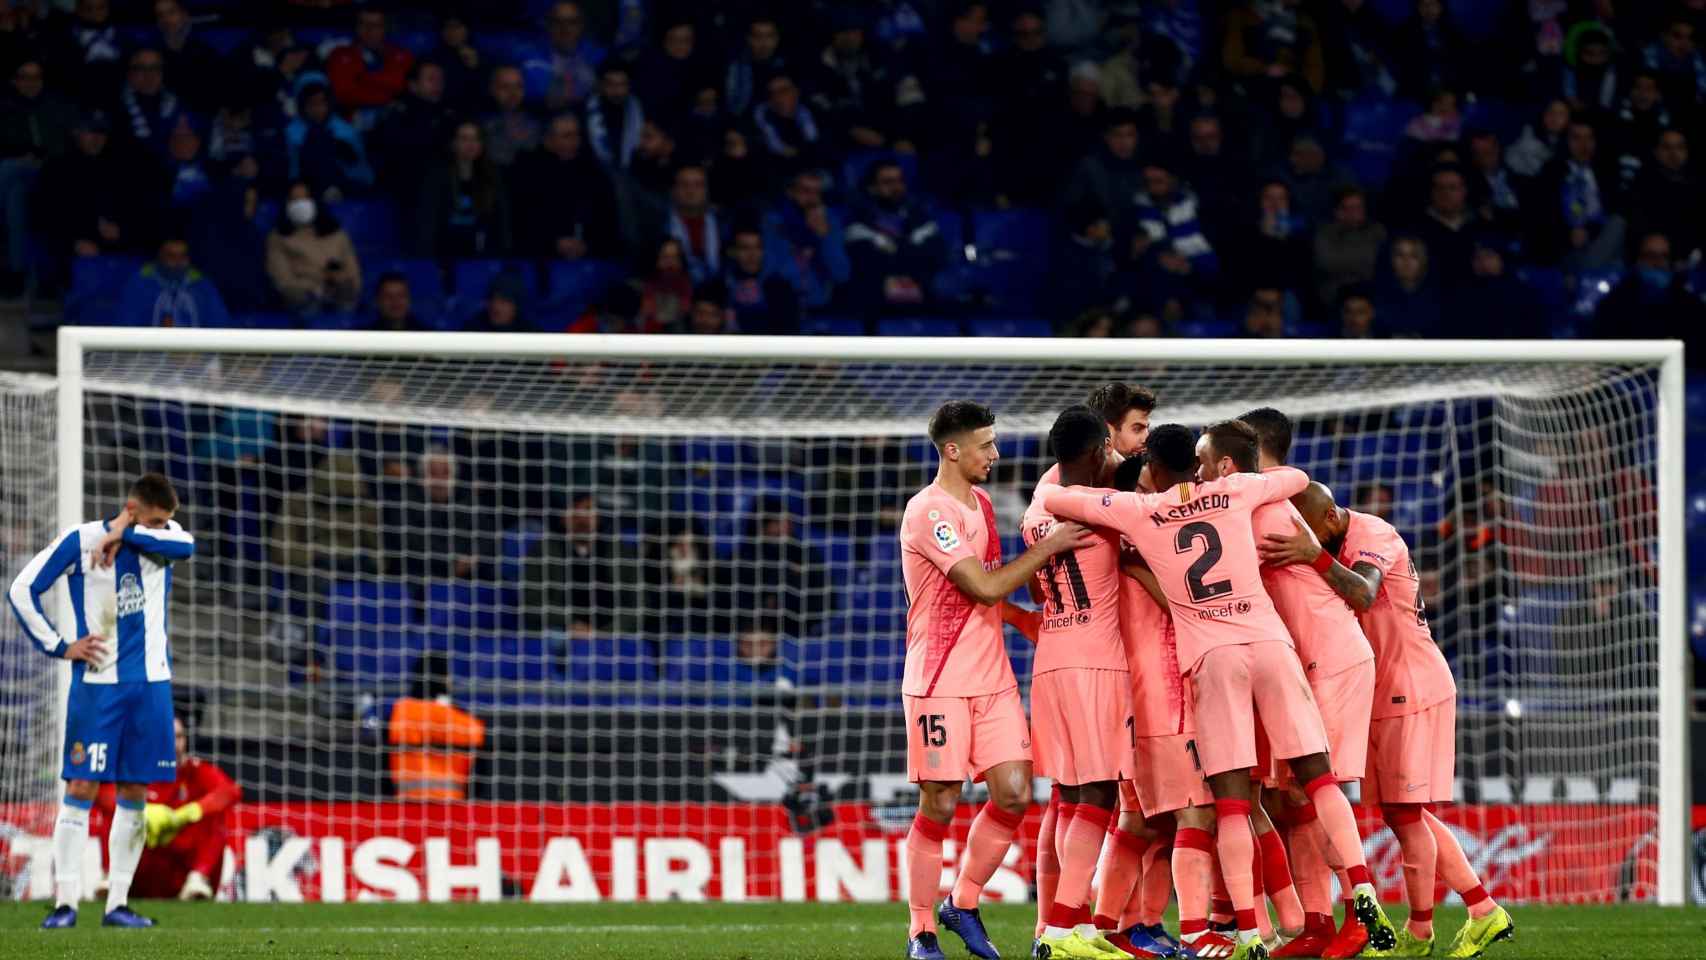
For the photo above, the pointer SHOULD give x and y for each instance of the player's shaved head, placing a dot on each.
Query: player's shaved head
(1172, 453)
(1273, 430)
(1076, 432)
(956, 418)
(1319, 510)
(1237, 441)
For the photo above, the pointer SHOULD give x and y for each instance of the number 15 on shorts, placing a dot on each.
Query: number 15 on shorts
(931, 732)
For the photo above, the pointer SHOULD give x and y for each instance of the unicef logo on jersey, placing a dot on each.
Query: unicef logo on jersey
(129, 595)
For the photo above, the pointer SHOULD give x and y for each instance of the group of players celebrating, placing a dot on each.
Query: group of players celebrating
(1220, 647)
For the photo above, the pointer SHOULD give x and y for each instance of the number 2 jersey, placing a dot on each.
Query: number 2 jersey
(954, 645)
(1081, 601)
(1410, 674)
(1197, 539)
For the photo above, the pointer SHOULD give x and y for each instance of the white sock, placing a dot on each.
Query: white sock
(124, 850)
(1055, 933)
(1088, 931)
(70, 833)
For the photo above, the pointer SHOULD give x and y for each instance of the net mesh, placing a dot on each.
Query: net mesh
(669, 591)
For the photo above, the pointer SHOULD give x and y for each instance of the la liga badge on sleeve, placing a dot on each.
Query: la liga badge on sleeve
(947, 538)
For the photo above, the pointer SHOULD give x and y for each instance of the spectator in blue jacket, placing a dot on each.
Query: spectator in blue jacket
(762, 301)
(787, 129)
(1170, 248)
(1676, 59)
(805, 237)
(325, 150)
(614, 118)
(895, 246)
(561, 72)
(171, 293)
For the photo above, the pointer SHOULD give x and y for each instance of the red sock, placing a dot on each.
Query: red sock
(1122, 863)
(1193, 869)
(1048, 862)
(1340, 823)
(1420, 852)
(1454, 867)
(924, 872)
(991, 836)
(1078, 863)
(1237, 853)
(1277, 881)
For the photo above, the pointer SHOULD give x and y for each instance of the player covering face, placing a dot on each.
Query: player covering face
(963, 712)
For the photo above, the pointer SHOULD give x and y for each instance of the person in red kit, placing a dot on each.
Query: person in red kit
(186, 828)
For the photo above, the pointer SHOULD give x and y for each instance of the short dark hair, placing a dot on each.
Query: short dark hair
(1173, 446)
(956, 417)
(1127, 473)
(1237, 440)
(154, 490)
(1076, 431)
(1273, 429)
(391, 276)
(1119, 117)
(1114, 400)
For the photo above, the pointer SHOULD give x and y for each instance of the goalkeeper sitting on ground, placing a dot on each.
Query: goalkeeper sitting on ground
(185, 823)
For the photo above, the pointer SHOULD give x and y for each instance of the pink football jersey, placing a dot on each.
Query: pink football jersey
(1081, 601)
(1197, 539)
(1152, 652)
(1410, 674)
(954, 644)
(1329, 639)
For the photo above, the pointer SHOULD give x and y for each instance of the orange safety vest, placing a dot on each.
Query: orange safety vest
(443, 739)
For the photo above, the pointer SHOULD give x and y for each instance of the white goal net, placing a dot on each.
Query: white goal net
(658, 579)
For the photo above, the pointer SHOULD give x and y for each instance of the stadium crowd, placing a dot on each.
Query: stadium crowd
(1094, 167)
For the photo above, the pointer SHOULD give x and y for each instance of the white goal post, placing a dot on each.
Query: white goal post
(1201, 379)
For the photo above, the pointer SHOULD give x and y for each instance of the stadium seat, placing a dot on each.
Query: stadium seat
(827, 326)
(572, 286)
(487, 659)
(1547, 285)
(367, 635)
(918, 327)
(1012, 248)
(608, 660)
(813, 661)
(371, 225)
(95, 286)
(460, 606)
(1010, 327)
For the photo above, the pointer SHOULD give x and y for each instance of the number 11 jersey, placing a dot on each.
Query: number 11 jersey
(1081, 599)
(1197, 538)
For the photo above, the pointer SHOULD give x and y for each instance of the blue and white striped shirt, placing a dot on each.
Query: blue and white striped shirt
(125, 603)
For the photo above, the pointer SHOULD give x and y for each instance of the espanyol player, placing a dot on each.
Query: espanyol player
(118, 718)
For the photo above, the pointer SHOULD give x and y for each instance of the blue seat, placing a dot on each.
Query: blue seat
(462, 606)
(823, 326)
(573, 285)
(490, 659)
(371, 224)
(606, 660)
(1547, 285)
(814, 661)
(918, 327)
(1208, 328)
(1011, 327)
(265, 321)
(1012, 255)
(95, 286)
(473, 278)
(368, 635)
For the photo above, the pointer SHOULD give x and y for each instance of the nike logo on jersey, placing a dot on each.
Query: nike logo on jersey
(1413, 787)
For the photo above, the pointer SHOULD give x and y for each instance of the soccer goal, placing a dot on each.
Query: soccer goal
(662, 575)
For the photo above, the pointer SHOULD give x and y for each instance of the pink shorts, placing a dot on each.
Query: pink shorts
(1345, 699)
(1168, 776)
(1081, 722)
(1414, 757)
(1231, 683)
(951, 738)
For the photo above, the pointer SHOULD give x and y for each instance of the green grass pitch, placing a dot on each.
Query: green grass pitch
(680, 931)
